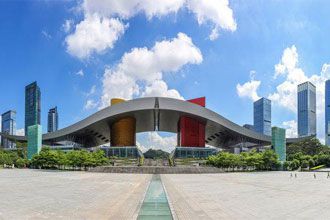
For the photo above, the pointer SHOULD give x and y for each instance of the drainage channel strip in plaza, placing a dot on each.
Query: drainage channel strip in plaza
(155, 204)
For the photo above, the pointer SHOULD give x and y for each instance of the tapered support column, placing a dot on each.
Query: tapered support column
(123, 131)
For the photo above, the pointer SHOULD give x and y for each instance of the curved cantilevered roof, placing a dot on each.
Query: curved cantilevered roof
(154, 114)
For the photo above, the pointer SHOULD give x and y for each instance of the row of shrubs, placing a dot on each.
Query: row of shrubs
(78, 159)
(300, 160)
(52, 159)
(267, 160)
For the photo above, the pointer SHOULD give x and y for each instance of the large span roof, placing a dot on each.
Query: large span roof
(154, 114)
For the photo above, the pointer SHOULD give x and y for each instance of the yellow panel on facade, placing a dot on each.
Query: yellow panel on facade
(116, 101)
(123, 132)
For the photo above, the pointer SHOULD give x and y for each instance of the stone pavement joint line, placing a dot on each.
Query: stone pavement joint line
(155, 204)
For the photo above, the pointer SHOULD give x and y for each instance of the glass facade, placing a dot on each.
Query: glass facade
(34, 136)
(262, 116)
(52, 120)
(327, 112)
(193, 152)
(122, 152)
(8, 126)
(306, 109)
(279, 142)
(32, 105)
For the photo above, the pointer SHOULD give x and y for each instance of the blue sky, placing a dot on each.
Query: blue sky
(76, 51)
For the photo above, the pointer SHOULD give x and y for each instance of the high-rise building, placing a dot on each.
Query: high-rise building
(306, 109)
(32, 105)
(8, 126)
(327, 112)
(52, 120)
(262, 116)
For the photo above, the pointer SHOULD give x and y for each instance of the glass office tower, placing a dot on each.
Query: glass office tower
(306, 109)
(52, 120)
(8, 125)
(32, 105)
(327, 112)
(279, 142)
(262, 115)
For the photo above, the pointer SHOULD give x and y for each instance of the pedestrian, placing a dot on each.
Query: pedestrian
(328, 175)
(314, 176)
(295, 175)
(291, 175)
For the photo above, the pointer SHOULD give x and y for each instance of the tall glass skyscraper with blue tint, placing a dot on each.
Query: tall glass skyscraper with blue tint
(32, 105)
(306, 109)
(8, 125)
(327, 112)
(262, 116)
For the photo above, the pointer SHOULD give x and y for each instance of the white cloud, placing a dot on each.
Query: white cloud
(80, 73)
(291, 128)
(46, 35)
(20, 132)
(94, 34)
(156, 140)
(90, 104)
(249, 89)
(140, 71)
(103, 20)
(159, 88)
(67, 26)
(217, 12)
(91, 91)
(126, 9)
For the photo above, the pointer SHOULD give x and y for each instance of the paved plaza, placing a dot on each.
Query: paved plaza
(35, 194)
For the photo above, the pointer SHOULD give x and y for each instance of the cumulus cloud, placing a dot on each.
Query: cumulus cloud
(94, 34)
(128, 8)
(155, 140)
(140, 71)
(103, 20)
(249, 89)
(291, 128)
(217, 12)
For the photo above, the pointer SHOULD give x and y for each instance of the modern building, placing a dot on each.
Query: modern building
(34, 140)
(306, 109)
(327, 112)
(279, 142)
(156, 114)
(52, 120)
(32, 105)
(8, 126)
(262, 116)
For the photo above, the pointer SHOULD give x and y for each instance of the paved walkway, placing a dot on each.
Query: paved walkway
(269, 195)
(35, 194)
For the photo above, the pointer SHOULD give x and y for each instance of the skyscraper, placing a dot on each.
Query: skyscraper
(327, 112)
(8, 124)
(32, 105)
(52, 120)
(306, 109)
(262, 116)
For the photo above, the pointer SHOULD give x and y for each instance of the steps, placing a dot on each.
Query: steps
(156, 169)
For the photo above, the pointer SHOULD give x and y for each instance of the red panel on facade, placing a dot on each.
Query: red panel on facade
(191, 131)
(199, 101)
